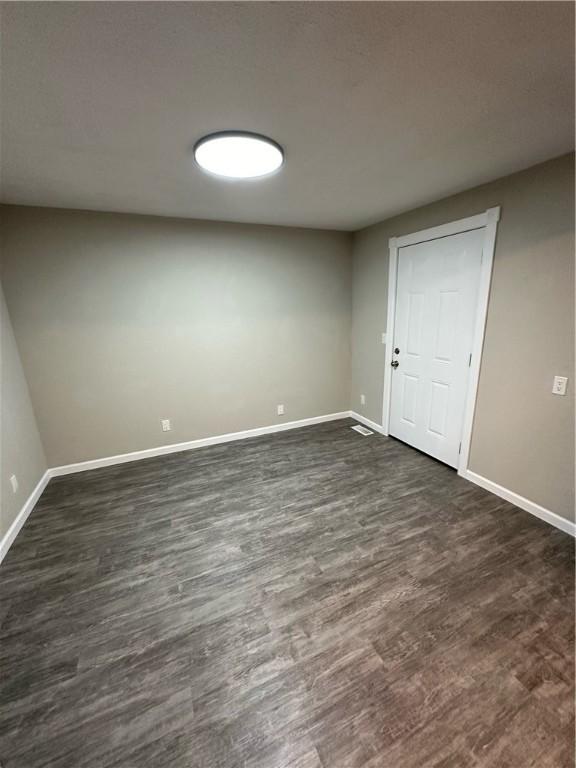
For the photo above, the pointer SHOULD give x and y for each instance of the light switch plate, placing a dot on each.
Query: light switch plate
(559, 385)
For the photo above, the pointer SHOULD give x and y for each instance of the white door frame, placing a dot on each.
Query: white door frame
(489, 222)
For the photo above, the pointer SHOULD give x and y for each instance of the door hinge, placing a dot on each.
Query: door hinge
(459, 449)
(470, 360)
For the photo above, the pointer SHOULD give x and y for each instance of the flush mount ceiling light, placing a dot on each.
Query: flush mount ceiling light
(238, 155)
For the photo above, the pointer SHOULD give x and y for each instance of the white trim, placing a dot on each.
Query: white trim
(528, 506)
(161, 450)
(498, 490)
(367, 423)
(489, 222)
(390, 321)
(488, 247)
(445, 230)
(22, 516)
(108, 461)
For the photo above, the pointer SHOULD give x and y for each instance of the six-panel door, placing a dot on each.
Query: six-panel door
(436, 300)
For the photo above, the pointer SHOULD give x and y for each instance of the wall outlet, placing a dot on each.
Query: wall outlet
(280, 410)
(362, 399)
(383, 338)
(14, 483)
(166, 426)
(559, 385)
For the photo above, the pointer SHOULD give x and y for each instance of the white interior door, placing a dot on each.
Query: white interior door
(436, 300)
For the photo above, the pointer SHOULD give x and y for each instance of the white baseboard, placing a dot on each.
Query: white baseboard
(528, 506)
(108, 461)
(22, 516)
(370, 424)
(161, 450)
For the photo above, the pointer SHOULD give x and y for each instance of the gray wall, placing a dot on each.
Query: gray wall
(123, 320)
(523, 436)
(21, 451)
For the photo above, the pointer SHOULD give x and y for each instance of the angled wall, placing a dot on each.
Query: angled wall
(21, 452)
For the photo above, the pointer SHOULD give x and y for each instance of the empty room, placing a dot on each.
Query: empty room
(287, 384)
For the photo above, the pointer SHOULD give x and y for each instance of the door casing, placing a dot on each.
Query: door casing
(488, 221)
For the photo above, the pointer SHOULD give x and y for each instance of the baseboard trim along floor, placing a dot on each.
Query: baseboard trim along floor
(367, 422)
(298, 584)
(528, 506)
(22, 516)
(519, 501)
(191, 445)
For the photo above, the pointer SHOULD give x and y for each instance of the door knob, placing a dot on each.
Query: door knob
(394, 363)
(396, 351)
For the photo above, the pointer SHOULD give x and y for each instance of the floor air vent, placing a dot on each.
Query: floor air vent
(363, 430)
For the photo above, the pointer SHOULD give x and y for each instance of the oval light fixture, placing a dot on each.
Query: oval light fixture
(238, 154)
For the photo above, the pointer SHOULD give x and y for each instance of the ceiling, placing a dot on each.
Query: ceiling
(380, 106)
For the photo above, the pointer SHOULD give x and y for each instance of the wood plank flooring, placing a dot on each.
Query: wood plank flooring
(310, 599)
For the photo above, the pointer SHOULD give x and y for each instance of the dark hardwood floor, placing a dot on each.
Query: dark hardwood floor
(307, 599)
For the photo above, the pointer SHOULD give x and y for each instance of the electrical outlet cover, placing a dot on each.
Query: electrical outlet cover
(559, 385)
